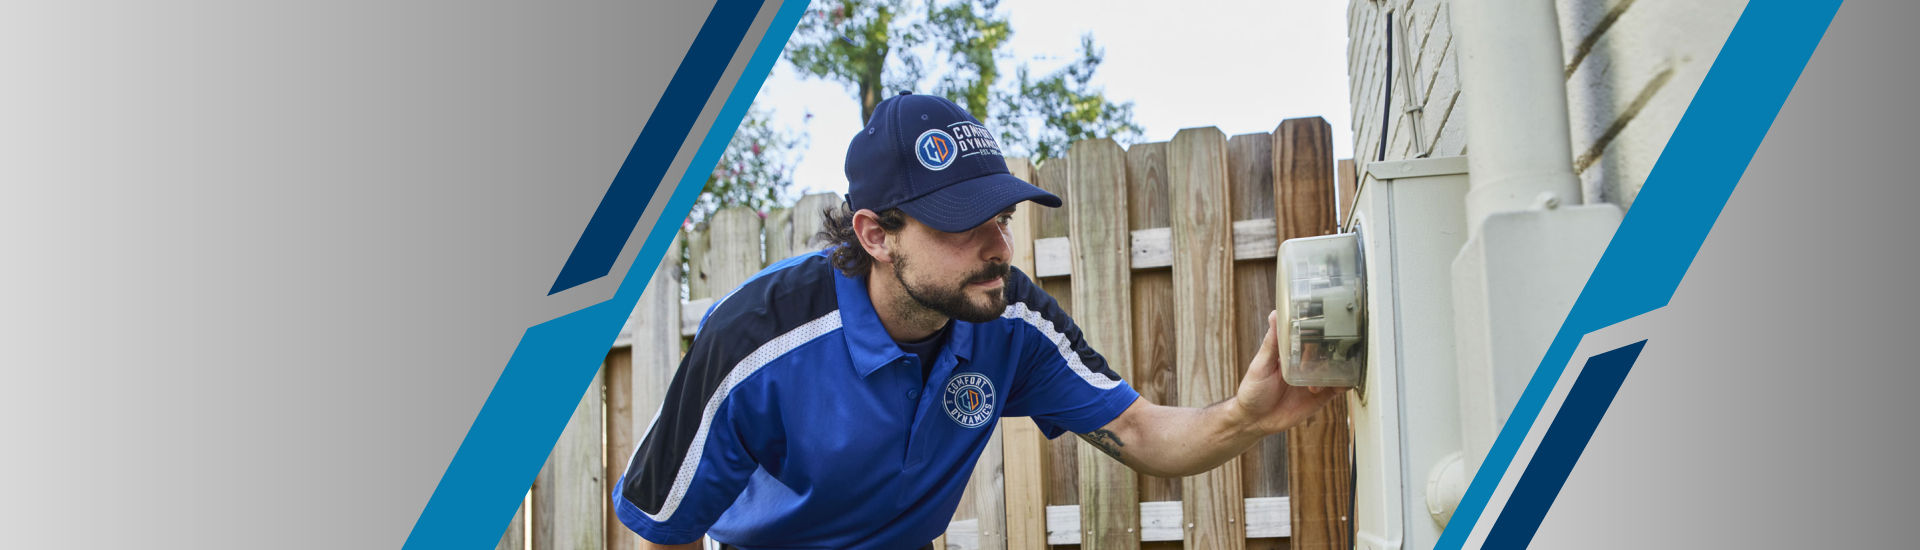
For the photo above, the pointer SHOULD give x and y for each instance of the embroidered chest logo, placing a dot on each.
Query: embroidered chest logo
(969, 399)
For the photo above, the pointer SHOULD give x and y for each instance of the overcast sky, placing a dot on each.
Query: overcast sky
(1240, 65)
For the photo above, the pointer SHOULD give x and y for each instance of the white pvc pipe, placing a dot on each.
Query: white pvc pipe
(1511, 73)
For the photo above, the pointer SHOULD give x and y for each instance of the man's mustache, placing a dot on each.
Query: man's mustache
(991, 272)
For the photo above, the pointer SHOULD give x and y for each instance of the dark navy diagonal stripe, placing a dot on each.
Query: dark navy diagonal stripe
(669, 125)
(1560, 448)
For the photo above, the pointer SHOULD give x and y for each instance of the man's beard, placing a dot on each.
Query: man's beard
(953, 302)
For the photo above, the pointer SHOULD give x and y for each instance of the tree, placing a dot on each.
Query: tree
(877, 45)
(755, 171)
(851, 41)
(974, 36)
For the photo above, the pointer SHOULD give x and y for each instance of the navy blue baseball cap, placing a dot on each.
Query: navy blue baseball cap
(929, 158)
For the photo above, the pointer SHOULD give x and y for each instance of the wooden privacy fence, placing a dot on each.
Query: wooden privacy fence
(1163, 254)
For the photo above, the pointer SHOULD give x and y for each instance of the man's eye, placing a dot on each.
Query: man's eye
(1005, 219)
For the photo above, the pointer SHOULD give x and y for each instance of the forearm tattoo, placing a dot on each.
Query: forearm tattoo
(1106, 441)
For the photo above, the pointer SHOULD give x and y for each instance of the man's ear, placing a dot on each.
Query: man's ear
(873, 237)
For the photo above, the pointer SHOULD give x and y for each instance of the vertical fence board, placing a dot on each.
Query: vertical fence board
(618, 376)
(653, 358)
(989, 497)
(735, 249)
(1348, 187)
(1102, 283)
(656, 340)
(1153, 342)
(1063, 474)
(1303, 165)
(540, 508)
(696, 242)
(807, 223)
(965, 510)
(1024, 448)
(1026, 483)
(779, 234)
(570, 501)
(656, 356)
(1320, 468)
(1203, 293)
(515, 537)
(1250, 179)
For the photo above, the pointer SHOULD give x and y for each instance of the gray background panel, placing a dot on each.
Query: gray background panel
(262, 262)
(1773, 406)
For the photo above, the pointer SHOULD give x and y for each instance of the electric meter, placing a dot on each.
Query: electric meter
(1322, 297)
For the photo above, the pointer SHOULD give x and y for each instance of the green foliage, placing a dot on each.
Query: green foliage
(851, 41)
(1065, 107)
(876, 46)
(973, 35)
(756, 170)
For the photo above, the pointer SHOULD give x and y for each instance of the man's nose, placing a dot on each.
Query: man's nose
(999, 243)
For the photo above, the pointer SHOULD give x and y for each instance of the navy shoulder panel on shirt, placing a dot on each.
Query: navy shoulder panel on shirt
(1026, 301)
(777, 301)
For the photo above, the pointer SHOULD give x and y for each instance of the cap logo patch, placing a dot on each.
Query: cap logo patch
(969, 399)
(936, 149)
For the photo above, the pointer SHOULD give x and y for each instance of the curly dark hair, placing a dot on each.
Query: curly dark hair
(848, 255)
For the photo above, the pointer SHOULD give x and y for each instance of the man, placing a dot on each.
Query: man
(840, 399)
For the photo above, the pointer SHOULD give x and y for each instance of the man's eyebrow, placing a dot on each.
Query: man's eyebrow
(1009, 210)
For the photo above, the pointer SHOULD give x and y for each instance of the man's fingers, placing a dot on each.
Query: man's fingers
(1271, 343)
(1266, 360)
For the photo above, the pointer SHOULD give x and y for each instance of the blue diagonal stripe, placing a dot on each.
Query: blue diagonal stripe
(1560, 448)
(640, 176)
(556, 360)
(1675, 209)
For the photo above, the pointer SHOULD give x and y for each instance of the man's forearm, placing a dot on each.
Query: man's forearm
(1175, 441)
(1179, 441)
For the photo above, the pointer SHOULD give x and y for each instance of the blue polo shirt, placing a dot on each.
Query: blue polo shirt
(796, 422)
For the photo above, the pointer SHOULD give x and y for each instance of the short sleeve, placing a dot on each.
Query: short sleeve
(1062, 383)
(696, 457)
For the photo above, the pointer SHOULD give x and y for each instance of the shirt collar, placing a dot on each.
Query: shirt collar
(867, 341)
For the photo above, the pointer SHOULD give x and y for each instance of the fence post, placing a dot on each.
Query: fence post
(1320, 467)
(1203, 293)
(1102, 286)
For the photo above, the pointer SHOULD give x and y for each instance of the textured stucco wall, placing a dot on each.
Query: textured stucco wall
(1632, 68)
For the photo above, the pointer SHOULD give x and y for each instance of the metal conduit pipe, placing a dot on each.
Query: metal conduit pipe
(1520, 154)
(1530, 242)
